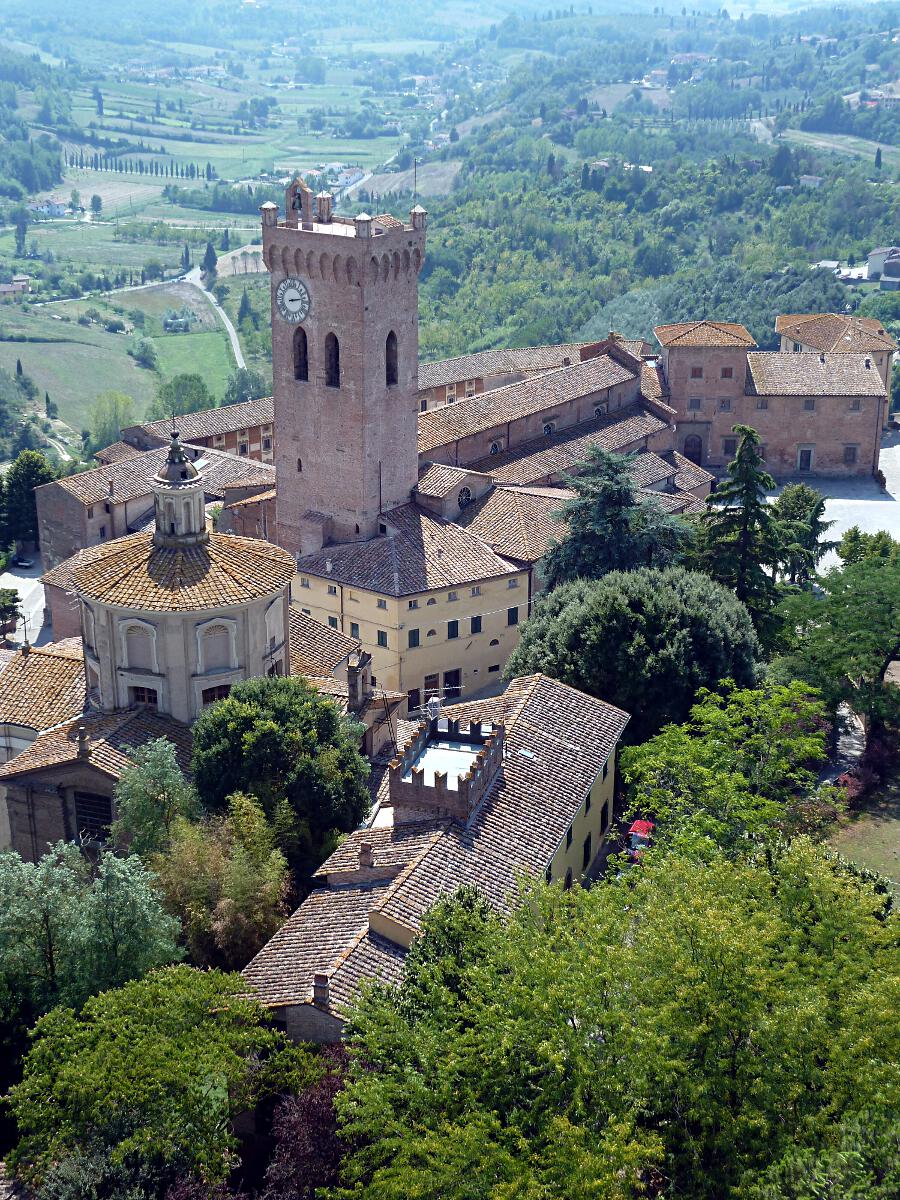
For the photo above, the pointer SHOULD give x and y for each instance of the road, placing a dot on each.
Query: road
(31, 602)
(194, 277)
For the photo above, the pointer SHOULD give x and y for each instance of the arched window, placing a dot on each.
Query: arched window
(464, 497)
(332, 362)
(693, 448)
(215, 645)
(301, 354)
(139, 648)
(390, 359)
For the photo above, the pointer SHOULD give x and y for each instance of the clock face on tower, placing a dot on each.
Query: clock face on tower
(292, 299)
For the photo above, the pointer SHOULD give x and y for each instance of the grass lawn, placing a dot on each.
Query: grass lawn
(842, 143)
(206, 354)
(872, 837)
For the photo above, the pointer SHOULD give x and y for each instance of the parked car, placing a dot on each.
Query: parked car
(24, 563)
(640, 835)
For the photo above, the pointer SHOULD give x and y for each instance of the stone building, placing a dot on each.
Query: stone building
(521, 784)
(246, 430)
(816, 414)
(837, 333)
(116, 499)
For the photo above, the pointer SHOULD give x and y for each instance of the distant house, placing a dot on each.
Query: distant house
(20, 286)
(49, 208)
(875, 259)
(890, 273)
(811, 181)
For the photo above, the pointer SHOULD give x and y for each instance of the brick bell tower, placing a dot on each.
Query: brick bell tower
(345, 358)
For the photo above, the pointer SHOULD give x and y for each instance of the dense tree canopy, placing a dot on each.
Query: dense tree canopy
(645, 640)
(151, 795)
(182, 394)
(29, 471)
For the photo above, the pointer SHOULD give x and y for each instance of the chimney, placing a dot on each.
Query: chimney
(868, 364)
(320, 989)
(324, 201)
(269, 213)
(363, 224)
(329, 565)
(418, 216)
(366, 855)
(821, 358)
(84, 743)
(111, 487)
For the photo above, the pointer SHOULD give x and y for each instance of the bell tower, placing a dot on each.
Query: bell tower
(345, 358)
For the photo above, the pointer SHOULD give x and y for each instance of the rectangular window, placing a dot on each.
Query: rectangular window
(211, 694)
(762, 402)
(729, 446)
(855, 404)
(450, 393)
(850, 456)
(90, 514)
(494, 669)
(586, 853)
(805, 458)
(381, 603)
(604, 818)
(696, 372)
(333, 622)
(452, 595)
(103, 531)
(512, 616)
(452, 630)
(470, 388)
(93, 816)
(432, 686)
(382, 639)
(307, 612)
(512, 583)
(412, 638)
(413, 699)
(728, 372)
(476, 590)
(412, 604)
(354, 629)
(423, 406)
(476, 625)
(695, 404)
(267, 443)
(106, 508)
(725, 404)
(143, 695)
(332, 590)
(242, 449)
(797, 347)
(452, 684)
(304, 582)
(568, 837)
(809, 404)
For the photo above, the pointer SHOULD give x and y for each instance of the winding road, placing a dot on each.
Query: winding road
(195, 277)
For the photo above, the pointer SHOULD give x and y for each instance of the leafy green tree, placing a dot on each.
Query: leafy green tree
(157, 1069)
(610, 528)
(96, 205)
(111, 412)
(798, 516)
(151, 796)
(739, 768)
(682, 1029)
(210, 261)
(10, 612)
(737, 540)
(844, 642)
(282, 742)
(855, 545)
(182, 394)
(31, 469)
(645, 640)
(245, 384)
(226, 882)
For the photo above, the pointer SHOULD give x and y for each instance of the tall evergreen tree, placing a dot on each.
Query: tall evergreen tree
(738, 538)
(210, 260)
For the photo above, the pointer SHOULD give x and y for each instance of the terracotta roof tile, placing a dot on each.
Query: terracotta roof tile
(517, 522)
(774, 374)
(62, 575)
(438, 480)
(212, 421)
(836, 333)
(653, 383)
(113, 738)
(133, 573)
(484, 363)
(531, 462)
(703, 333)
(441, 426)
(316, 649)
(44, 686)
(131, 477)
(425, 553)
(117, 452)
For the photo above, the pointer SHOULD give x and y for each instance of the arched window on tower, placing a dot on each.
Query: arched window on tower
(301, 354)
(390, 359)
(332, 362)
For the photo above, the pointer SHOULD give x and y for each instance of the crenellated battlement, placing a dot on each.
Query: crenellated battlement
(445, 770)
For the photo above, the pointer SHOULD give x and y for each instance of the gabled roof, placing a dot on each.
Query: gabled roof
(44, 685)
(117, 452)
(212, 421)
(484, 363)
(132, 572)
(316, 649)
(703, 333)
(441, 426)
(774, 374)
(112, 740)
(533, 461)
(131, 477)
(517, 522)
(557, 741)
(835, 333)
(423, 554)
(436, 480)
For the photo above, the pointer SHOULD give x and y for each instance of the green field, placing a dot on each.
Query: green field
(872, 837)
(206, 354)
(842, 143)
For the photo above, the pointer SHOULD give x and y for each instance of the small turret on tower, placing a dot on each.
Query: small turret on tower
(179, 500)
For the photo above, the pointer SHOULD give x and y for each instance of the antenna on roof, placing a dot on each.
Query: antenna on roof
(415, 180)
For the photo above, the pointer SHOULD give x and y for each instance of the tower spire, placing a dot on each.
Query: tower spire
(179, 499)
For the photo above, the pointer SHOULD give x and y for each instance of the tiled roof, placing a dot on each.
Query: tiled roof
(517, 522)
(774, 374)
(639, 347)
(687, 474)
(437, 480)
(62, 575)
(441, 426)
(529, 463)
(835, 332)
(133, 573)
(674, 502)
(131, 477)
(557, 740)
(213, 421)
(425, 553)
(113, 739)
(256, 498)
(647, 468)
(703, 333)
(653, 382)
(485, 363)
(44, 686)
(117, 452)
(316, 649)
